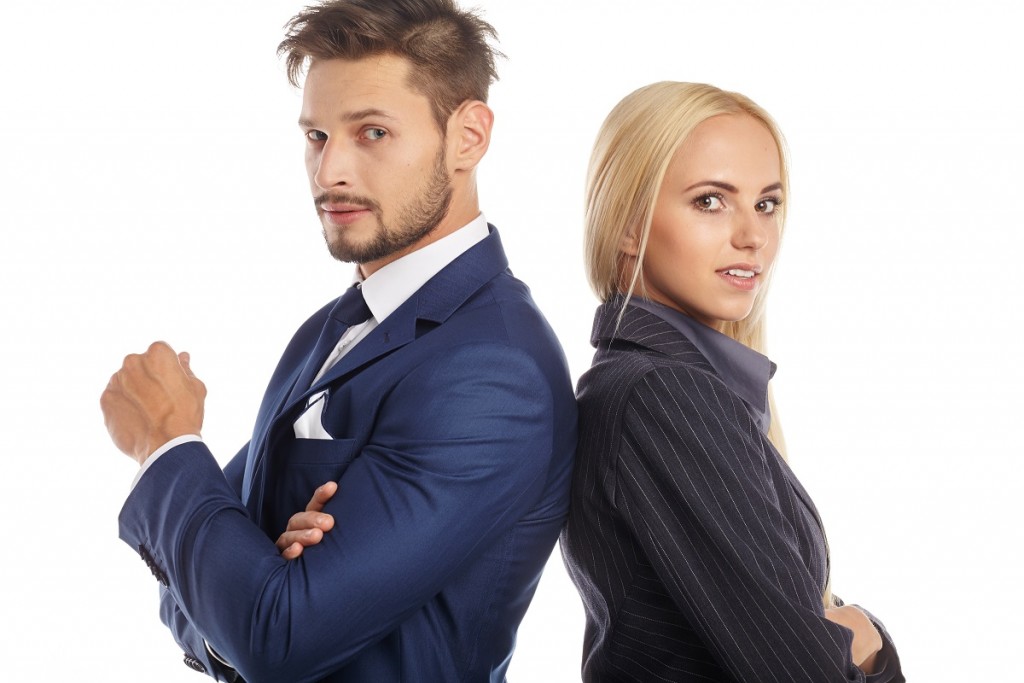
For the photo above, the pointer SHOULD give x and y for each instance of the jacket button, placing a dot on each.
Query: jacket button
(193, 663)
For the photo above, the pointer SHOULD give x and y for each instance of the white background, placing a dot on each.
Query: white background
(151, 187)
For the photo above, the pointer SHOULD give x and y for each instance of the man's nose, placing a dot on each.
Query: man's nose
(333, 166)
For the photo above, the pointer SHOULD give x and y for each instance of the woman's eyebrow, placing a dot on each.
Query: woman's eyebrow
(729, 188)
(713, 183)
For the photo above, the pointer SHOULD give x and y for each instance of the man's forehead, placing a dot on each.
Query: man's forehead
(378, 84)
(383, 71)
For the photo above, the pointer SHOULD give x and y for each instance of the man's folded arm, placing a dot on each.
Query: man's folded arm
(459, 453)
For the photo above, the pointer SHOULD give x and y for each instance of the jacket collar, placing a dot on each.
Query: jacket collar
(664, 330)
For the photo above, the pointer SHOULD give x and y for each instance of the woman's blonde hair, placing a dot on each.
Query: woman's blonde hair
(631, 155)
(632, 152)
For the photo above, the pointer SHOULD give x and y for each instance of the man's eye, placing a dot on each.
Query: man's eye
(375, 133)
(316, 136)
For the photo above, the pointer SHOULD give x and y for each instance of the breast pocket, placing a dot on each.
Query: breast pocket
(307, 464)
(322, 452)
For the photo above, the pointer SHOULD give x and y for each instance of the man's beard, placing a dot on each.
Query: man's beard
(418, 219)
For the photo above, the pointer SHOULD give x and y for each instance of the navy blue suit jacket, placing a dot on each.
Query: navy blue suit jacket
(454, 426)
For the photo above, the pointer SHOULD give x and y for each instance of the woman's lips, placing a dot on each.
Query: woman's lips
(742, 276)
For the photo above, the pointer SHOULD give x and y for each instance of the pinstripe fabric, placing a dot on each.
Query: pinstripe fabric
(698, 554)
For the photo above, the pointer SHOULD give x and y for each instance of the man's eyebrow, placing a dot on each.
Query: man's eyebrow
(730, 188)
(352, 116)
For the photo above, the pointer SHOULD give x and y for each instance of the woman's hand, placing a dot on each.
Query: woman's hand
(866, 640)
(308, 528)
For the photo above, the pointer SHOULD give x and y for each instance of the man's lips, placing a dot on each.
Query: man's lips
(343, 213)
(331, 207)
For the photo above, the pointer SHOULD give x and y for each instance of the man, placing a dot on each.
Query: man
(432, 392)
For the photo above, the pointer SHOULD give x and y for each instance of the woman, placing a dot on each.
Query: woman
(698, 554)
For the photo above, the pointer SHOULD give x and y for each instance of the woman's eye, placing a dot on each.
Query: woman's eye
(767, 206)
(375, 133)
(708, 202)
(316, 136)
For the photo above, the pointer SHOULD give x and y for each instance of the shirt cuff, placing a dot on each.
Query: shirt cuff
(177, 441)
(213, 653)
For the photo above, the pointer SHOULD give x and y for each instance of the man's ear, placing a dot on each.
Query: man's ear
(469, 133)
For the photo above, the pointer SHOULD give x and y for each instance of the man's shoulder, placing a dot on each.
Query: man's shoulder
(503, 308)
(500, 331)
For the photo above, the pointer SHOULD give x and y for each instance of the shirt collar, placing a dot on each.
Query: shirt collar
(744, 370)
(389, 287)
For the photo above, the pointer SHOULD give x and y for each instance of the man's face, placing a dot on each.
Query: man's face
(376, 160)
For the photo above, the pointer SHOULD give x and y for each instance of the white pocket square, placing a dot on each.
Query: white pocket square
(309, 424)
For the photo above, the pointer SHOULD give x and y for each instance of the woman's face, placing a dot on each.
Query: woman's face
(715, 229)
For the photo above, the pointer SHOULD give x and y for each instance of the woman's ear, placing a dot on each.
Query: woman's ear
(630, 242)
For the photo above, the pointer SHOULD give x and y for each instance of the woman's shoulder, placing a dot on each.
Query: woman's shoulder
(638, 350)
(622, 370)
(635, 329)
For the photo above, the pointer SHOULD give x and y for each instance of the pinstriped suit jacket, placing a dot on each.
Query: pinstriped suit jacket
(698, 554)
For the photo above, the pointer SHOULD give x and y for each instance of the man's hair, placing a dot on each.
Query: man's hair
(448, 48)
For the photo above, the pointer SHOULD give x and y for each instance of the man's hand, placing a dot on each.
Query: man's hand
(866, 639)
(152, 399)
(308, 528)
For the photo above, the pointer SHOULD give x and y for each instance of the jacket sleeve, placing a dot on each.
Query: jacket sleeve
(184, 633)
(694, 484)
(196, 654)
(459, 448)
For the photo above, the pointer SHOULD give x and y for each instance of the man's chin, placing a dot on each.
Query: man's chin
(342, 247)
(346, 252)
(380, 247)
(343, 253)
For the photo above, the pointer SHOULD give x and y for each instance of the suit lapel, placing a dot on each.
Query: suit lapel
(434, 303)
